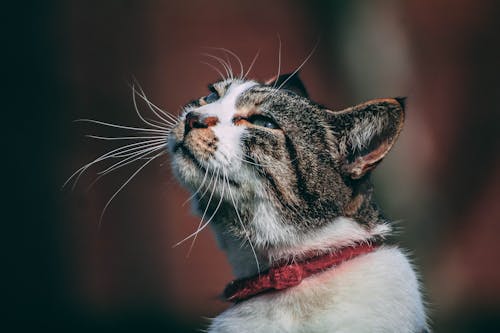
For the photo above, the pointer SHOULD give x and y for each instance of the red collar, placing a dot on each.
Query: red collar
(286, 275)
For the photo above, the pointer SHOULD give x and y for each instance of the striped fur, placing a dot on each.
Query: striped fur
(278, 175)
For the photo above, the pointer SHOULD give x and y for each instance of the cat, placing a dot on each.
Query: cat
(285, 184)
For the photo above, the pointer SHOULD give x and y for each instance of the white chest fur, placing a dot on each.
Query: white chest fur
(376, 292)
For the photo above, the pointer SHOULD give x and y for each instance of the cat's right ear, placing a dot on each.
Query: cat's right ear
(366, 132)
(290, 82)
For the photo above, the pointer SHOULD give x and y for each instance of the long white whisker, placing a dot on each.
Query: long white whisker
(122, 127)
(241, 222)
(111, 154)
(125, 184)
(172, 120)
(251, 64)
(127, 149)
(198, 229)
(210, 219)
(133, 150)
(300, 66)
(157, 122)
(204, 212)
(222, 62)
(215, 69)
(169, 120)
(235, 57)
(279, 63)
(207, 187)
(133, 158)
(134, 100)
(200, 226)
(199, 187)
(130, 159)
(230, 65)
(111, 138)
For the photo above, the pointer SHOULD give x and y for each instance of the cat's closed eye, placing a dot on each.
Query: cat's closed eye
(262, 121)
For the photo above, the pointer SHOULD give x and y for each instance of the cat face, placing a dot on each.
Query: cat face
(269, 163)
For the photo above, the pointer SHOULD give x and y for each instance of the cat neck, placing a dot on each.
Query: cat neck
(275, 241)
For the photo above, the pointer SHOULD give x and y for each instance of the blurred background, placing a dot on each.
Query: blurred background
(76, 59)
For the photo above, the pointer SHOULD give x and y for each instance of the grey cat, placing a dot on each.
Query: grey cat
(285, 184)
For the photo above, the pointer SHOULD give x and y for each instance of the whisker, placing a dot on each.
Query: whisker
(134, 93)
(125, 184)
(92, 121)
(241, 223)
(204, 212)
(300, 66)
(226, 67)
(230, 65)
(251, 64)
(235, 57)
(130, 159)
(113, 153)
(170, 119)
(154, 121)
(133, 150)
(279, 62)
(215, 69)
(199, 188)
(200, 228)
(136, 157)
(211, 217)
(111, 138)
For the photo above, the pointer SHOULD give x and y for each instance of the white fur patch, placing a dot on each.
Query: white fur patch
(268, 227)
(365, 129)
(229, 151)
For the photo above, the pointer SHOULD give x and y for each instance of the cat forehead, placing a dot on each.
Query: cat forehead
(238, 94)
(233, 93)
(232, 87)
(249, 92)
(236, 89)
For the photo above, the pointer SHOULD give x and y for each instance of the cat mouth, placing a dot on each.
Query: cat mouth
(187, 154)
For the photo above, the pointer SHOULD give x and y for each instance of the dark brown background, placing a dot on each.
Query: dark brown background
(75, 59)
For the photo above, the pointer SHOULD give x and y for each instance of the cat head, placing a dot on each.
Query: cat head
(267, 163)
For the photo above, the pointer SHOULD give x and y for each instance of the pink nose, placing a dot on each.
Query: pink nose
(195, 120)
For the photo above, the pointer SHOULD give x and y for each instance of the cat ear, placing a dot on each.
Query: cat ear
(292, 83)
(366, 132)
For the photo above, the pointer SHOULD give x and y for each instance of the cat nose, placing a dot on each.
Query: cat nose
(195, 120)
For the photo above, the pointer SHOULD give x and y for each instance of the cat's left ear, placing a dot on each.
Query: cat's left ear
(292, 83)
(366, 132)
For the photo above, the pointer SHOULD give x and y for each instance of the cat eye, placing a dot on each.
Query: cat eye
(262, 121)
(212, 97)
